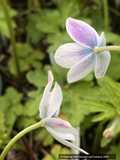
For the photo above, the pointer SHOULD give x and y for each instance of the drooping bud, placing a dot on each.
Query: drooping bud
(108, 133)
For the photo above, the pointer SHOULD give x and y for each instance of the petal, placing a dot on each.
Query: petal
(46, 94)
(61, 128)
(53, 101)
(62, 132)
(63, 141)
(82, 33)
(82, 68)
(101, 64)
(102, 41)
(69, 54)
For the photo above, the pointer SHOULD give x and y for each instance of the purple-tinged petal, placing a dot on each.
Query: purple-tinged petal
(69, 54)
(102, 41)
(63, 141)
(82, 33)
(82, 68)
(62, 128)
(46, 94)
(101, 64)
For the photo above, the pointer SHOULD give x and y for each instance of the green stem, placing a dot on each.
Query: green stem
(12, 37)
(19, 135)
(97, 50)
(105, 4)
(29, 8)
(37, 5)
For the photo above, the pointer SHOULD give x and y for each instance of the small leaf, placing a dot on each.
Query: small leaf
(23, 65)
(45, 25)
(37, 78)
(24, 50)
(13, 95)
(31, 107)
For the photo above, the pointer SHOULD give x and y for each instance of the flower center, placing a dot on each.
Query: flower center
(46, 109)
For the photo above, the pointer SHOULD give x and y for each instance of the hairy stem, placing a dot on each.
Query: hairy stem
(97, 50)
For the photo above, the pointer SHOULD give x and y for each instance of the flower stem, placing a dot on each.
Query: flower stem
(12, 37)
(115, 123)
(97, 50)
(106, 24)
(19, 135)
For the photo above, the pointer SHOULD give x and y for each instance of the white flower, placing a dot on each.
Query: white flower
(49, 107)
(80, 56)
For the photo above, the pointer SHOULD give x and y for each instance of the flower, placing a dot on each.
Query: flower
(80, 56)
(49, 108)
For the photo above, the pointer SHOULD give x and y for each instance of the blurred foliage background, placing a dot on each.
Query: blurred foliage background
(29, 35)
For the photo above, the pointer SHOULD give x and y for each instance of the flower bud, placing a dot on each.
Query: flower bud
(108, 133)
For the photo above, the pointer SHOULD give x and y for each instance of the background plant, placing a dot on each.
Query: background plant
(39, 29)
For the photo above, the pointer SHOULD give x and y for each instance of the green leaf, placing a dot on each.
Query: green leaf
(35, 34)
(4, 103)
(34, 94)
(37, 55)
(18, 109)
(115, 149)
(71, 107)
(13, 95)
(57, 40)
(45, 25)
(55, 151)
(114, 66)
(112, 38)
(31, 107)
(108, 89)
(23, 65)
(102, 116)
(10, 116)
(24, 50)
(24, 122)
(37, 78)
(65, 13)
(86, 90)
(27, 57)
